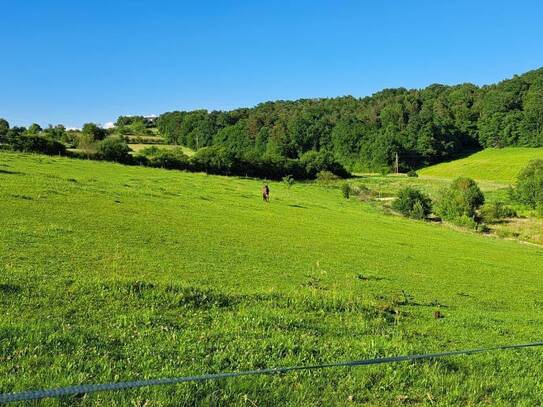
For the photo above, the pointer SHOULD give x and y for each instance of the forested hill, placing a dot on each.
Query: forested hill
(423, 126)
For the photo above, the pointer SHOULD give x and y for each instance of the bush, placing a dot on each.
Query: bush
(69, 138)
(412, 203)
(364, 193)
(214, 160)
(317, 161)
(288, 180)
(384, 171)
(494, 211)
(346, 190)
(36, 144)
(418, 211)
(143, 139)
(87, 145)
(529, 187)
(463, 197)
(465, 222)
(114, 148)
(79, 155)
(326, 177)
(151, 150)
(224, 160)
(95, 131)
(164, 158)
(412, 173)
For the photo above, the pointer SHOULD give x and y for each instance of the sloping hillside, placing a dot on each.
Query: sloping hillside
(498, 165)
(112, 273)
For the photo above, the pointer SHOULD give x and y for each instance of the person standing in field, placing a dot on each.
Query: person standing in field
(266, 193)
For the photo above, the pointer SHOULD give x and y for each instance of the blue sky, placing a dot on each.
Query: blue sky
(72, 62)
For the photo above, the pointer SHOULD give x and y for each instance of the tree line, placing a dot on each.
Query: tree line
(94, 142)
(422, 126)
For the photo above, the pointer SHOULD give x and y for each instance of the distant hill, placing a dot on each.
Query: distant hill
(499, 165)
(423, 126)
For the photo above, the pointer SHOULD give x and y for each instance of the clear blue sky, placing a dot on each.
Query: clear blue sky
(76, 61)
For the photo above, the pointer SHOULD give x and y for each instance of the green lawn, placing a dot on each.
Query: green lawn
(111, 273)
(498, 165)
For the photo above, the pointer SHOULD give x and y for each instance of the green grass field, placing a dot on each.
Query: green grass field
(138, 147)
(498, 165)
(111, 273)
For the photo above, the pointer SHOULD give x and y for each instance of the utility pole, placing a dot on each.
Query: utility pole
(397, 164)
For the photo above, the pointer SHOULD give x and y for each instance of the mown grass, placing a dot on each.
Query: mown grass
(498, 165)
(114, 273)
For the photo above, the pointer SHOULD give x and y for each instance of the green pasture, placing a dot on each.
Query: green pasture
(497, 165)
(138, 147)
(111, 272)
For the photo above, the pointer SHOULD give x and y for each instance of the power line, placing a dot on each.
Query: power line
(92, 388)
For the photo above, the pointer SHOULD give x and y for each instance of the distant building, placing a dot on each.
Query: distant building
(151, 119)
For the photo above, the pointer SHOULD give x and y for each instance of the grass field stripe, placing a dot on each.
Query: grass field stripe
(92, 388)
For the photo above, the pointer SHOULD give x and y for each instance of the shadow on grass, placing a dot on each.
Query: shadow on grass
(8, 172)
(10, 289)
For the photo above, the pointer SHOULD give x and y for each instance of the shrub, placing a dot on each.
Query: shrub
(364, 193)
(418, 211)
(97, 132)
(164, 158)
(143, 139)
(412, 173)
(529, 187)
(317, 161)
(465, 222)
(384, 170)
(36, 144)
(288, 180)
(412, 203)
(494, 211)
(463, 197)
(346, 190)
(87, 144)
(151, 150)
(214, 160)
(114, 148)
(326, 177)
(69, 138)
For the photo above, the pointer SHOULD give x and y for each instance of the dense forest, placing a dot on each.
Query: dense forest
(422, 126)
(303, 137)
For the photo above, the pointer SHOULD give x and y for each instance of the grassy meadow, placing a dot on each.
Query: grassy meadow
(110, 273)
(138, 147)
(497, 165)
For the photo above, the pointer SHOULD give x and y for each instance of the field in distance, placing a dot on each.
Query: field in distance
(111, 272)
(138, 147)
(498, 165)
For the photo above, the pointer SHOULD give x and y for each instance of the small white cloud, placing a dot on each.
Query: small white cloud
(108, 125)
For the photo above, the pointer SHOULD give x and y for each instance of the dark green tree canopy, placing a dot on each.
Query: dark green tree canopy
(462, 198)
(4, 127)
(129, 120)
(412, 203)
(34, 129)
(529, 187)
(92, 129)
(114, 149)
(421, 126)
